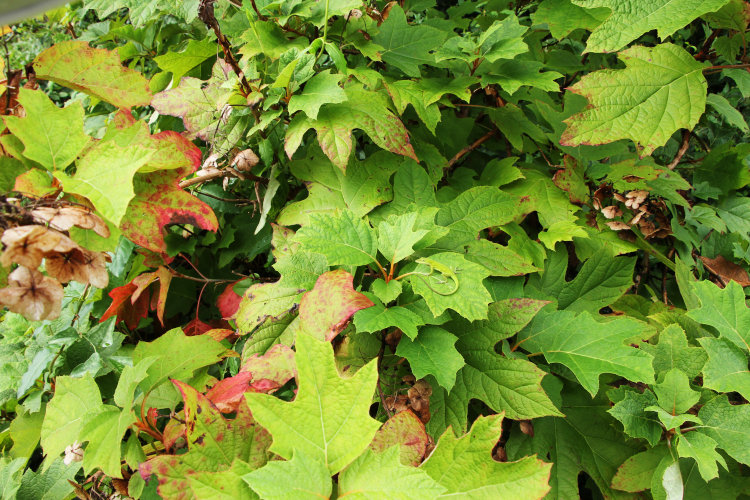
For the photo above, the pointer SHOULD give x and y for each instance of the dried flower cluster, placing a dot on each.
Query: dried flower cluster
(33, 294)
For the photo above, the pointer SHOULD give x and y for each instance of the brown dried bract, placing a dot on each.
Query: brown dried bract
(245, 160)
(79, 265)
(27, 245)
(63, 218)
(32, 294)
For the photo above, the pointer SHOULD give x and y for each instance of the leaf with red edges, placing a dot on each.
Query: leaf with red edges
(159, 201)
(325, 310)
(406, 430)
(226, 394)
(272, 369)
(214, 444)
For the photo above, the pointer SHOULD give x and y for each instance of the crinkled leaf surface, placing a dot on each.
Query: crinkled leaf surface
(587, 347)
(382, 475)
(405, 46)
(51, 136)
(728, 425)
(509, 385)
(344, 239)
(379, 317)
(325, 310)
(177, 356)
(96, 72)
(636, 421)
(661, 90)
(329, 419)
(465, 467)
(629, 19)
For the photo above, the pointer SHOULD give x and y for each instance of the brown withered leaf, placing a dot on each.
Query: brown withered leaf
(27, 245)
(726, 270)
(32, 294)
(63, 218)
(611, 212)
(245, 160)
(79, 265)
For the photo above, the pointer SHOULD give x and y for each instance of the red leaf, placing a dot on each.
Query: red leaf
(196, 327)
(325, 310)
(228, 302)
(228, 393)
(124, 308)
(159, 200)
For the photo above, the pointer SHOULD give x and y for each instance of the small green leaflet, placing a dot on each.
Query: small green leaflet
(265, 303)
(397, 236)
(636, 420)
(379, 317)
(179, 63)
(321, 89)
(726, 369)
(661, 90)
(563, 17)
(587, 347)
(433, 352)
(53, 137)
(329, 419)
(304, 478)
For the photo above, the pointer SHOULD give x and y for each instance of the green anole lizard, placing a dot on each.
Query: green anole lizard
(442, 269)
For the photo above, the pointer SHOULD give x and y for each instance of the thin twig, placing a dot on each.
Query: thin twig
(468, 149)
(681, 152)
(218, 174)
(381, 353)
(206, 14)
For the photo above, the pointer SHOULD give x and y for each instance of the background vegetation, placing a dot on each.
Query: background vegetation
(318, 249)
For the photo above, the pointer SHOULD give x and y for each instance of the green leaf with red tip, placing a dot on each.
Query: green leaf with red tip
(407, 431)
(661, 90)
(329, 420)
(51, 136)
(325, 310)
(465, 467)
(96, 72)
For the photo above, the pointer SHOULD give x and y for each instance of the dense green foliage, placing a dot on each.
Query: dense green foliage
(328, 248)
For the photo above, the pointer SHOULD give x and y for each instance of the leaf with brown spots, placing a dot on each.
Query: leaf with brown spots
(326, 309)
(214, 444)
(96, 72)
(407, 431)
(159, 201)
(32, 294)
